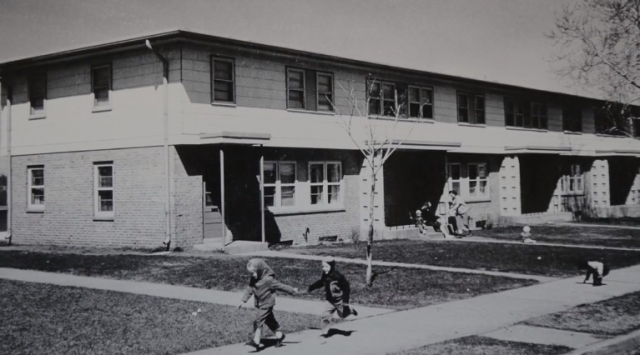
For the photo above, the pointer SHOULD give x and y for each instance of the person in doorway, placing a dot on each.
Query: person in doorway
(337, 293)
(459, 209)
(263, 287)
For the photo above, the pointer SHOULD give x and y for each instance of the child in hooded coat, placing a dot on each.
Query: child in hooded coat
(263, 287)
(597, 268)
(337, 293)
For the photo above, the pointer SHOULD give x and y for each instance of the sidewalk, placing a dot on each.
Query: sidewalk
(415, 328)
(170, 291)
(279, 254)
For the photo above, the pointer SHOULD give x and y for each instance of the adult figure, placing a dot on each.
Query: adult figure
(433, 218)
(459, 210)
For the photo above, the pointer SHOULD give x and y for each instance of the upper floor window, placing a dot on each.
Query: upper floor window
(103, 190)
(37, 93)
(525, 114)
(222, 81)
(471, 108)
(382, 98)
(614, 119)
(572, 118)
(101, 84)
(325, 179)
(309, 90)
(279, 183)
(420, 102)
(35, 188)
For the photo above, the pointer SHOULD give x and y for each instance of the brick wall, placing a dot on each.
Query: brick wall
(68, 218)
(187, 201)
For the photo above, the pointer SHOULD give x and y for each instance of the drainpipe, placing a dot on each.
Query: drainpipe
(8, 187)
(165, 109)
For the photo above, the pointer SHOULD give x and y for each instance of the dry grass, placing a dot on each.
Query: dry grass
(476, 345)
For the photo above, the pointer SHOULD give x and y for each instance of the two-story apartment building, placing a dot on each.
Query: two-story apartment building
(193, 137)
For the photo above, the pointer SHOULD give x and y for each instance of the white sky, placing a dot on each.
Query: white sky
(493, 40)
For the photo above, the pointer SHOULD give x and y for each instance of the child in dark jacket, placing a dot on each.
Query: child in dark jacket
(263, 287)
(337, 292)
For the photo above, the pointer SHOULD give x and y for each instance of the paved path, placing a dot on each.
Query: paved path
(170, 291)
(475, 239)
(278, 254)
(415, 328)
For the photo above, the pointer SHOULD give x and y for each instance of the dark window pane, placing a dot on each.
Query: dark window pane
(388, 91)
(374, 107)
(479, 102)
(101, 77)
(427, 111)
(414, 95)
(480, 116)
(269, 173)
(427, 96)
(223, 70)
(509, 119)
(463, 101)
(543, 122)
(375, 90)
(463, 115)
(296, 99)
(223, 91)
(105, 203)
(296, 80)
(389, 108)
(37, 104)
(414, 110)
(101, 96)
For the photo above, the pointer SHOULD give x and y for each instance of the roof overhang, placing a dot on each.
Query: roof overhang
(226, 137)
(416, 144)
(618, 153)
(533, 149)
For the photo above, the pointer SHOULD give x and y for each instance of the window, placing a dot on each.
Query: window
(471, 108)
(309, 90)
(35, 185)
(572, 181)
(279, 184)
(37, 93)
(103, 187)
(478, 180)
(420, 102)
(325, 179)
(469, 180)
(572, 119)
(382, 99)
(525, 114)
(101, 84)
(613, 119)
(222, 81)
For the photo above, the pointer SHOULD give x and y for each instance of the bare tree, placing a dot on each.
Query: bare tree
(599, 46)
(376, 137)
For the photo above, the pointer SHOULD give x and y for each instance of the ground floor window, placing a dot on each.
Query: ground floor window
(35, 188)
(325, 179)
(572, 182)
(279, 183)
(469, 180)
(103, 190)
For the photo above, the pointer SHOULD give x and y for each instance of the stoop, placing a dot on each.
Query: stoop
(244, 246)
(210, 244)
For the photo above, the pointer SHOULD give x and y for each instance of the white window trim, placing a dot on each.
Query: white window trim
(96, 189)
(478, 180)
(566, 182)
(420, 102)
(464, 182)
(325, 183)
(30, 186)
(332, 101)
(277, 197)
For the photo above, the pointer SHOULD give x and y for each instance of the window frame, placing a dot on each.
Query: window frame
(31, 206)
(380, 98)
(231, 61)
(278, 185)
(569, 123)
(478, 180)
(542, 107)
(464, 181)
(570, 179)
(304, 89)
(97, 213)
(318, 93)
(472, 110)
(523, 116)
(419, 102)
(33, 112)
(109, 86)
(325, 184)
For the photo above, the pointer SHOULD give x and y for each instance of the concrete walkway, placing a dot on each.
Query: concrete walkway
(278, 254)
(170, 291)
(415, 328)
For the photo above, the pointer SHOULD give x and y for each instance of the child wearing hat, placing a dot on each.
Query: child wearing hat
(263, 287)
(337, 293)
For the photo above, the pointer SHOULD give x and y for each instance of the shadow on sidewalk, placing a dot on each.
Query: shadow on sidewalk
(333, 332)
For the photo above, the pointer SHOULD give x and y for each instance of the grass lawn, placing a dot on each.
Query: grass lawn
(597, 236)
(520, 258)
(396, 288)
(615, 316)
(47, 319)
(477, 345)
(622, 221)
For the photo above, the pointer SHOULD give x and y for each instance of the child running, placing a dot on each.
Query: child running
(337, 292)
(263, 287)
(599, 269)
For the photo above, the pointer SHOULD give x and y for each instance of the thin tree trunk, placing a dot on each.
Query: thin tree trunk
(370, 234)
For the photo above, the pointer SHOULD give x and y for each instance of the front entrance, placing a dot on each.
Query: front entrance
(212, 217)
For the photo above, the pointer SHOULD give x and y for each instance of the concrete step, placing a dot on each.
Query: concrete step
(243, 246)
(208, 247)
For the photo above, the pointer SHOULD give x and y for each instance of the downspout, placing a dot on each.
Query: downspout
(8, 104)
(165, 109)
